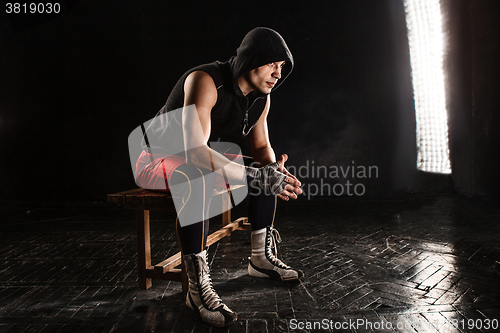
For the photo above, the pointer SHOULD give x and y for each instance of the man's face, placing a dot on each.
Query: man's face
(265, 77)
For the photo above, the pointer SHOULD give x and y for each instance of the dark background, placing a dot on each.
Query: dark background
(73, 86)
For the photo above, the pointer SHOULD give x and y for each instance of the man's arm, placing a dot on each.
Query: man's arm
(263, 153)
(200, 90)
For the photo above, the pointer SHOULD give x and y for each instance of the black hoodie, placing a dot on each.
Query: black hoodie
(234, 114)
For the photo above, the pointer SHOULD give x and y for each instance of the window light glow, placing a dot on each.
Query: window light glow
(425, 36)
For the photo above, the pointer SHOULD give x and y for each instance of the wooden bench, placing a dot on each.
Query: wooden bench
(143, 201)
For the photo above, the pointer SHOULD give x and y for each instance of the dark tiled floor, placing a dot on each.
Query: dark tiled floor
(370, 264)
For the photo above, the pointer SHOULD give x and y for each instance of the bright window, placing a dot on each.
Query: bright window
(425, 35)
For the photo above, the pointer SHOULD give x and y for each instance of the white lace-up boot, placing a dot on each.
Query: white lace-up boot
(201, 296)
(264, 262)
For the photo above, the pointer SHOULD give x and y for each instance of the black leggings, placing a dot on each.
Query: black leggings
(193, 237)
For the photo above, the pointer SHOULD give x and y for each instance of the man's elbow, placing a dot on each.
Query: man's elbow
(191, 158)
(197, 157)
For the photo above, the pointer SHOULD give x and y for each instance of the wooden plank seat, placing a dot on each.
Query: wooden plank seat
(143, 201)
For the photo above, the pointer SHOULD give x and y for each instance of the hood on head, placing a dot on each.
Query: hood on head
(261, 46)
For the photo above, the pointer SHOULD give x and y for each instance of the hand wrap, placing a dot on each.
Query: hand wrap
(267, 178)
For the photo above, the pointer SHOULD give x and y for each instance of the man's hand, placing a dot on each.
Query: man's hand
(292, 188)
(269, 179)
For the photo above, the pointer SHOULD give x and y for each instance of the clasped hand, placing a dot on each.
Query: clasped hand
(292, 187)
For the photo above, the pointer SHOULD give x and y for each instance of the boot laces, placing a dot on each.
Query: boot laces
(273, 239)
(207, 291)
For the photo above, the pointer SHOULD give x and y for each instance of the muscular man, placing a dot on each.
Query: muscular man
(222, 102)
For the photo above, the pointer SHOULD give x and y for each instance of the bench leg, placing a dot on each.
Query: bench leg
(143, 247)
(185, 281)
(226, 208)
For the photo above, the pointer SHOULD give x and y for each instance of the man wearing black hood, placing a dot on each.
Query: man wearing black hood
(231, 101)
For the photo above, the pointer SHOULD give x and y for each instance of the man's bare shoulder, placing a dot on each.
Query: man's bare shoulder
(199, 89)
(200, 80)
